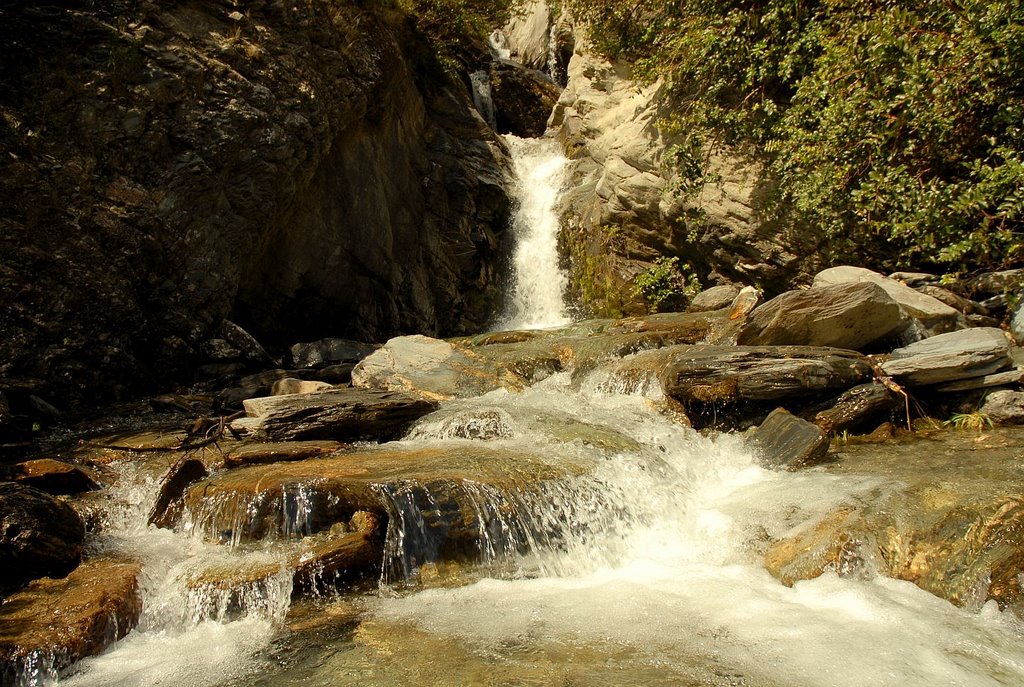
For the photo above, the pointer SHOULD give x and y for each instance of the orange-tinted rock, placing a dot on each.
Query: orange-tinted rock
(55, 476)
(251, 454)
(54, 623)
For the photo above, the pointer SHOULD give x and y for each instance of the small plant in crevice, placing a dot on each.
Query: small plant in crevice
(664, 286)
(977, 421)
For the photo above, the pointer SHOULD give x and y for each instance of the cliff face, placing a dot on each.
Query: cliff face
(296, 165)
(624, 211)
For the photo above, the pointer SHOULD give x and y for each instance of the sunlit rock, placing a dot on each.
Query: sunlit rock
(948, 357)
(52, 623)
(55, 476)
(847, 315)
(785, 441)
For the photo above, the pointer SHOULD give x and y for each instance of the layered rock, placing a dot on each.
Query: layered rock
(39, 536)
(624, 209)
(277, 166)
(948, 357)
(786, 441)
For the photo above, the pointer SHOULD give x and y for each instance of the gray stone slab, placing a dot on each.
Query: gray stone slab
(949, 357)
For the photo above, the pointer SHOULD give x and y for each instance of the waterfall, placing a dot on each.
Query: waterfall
(538, 285)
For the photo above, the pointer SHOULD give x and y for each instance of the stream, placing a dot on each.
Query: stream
(634, 556)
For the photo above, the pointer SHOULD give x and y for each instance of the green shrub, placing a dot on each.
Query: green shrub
(663, 286)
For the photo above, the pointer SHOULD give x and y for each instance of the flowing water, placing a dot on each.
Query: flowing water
(538, 285)
(631, 555)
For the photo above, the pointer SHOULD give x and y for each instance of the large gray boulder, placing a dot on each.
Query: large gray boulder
(1004, 407)
(936, 316)
(948, 357)
(849, 315)
(715, 298)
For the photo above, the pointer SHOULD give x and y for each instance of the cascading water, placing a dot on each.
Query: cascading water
(538, 285)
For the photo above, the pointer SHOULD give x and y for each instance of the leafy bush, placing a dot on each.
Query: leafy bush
(663, 286)
(897, 128)
(453, 25)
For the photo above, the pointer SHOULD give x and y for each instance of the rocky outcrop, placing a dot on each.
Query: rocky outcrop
(523, 98)
(292, 167)
(528, 32)
(625, 209)
(39, 536)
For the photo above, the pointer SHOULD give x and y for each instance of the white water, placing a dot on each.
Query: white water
(538, 285)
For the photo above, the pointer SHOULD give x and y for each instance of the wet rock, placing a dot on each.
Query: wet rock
(252, 454)
(290, 385)
(326, 352)
(179, 478)
(336, 414)
(39, 536)
(1004, 407)
(858, 406)
(726, 375)
(320, 563)
(523, 98)
(432, 367)
(55, 477)
(440, 484)
(715, 298)
(846, 315)
(943, 513)
(949, 357)
(785, 441)
(52, 623)
(936, 316)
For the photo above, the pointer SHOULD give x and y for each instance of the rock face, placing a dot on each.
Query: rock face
(279, 167)
(851, 315)
(39, 536)
(785, 441)
(957, 355)
(53, 623)
(528, 34)
(623, 210)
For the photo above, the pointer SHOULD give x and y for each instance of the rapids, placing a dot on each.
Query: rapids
(632, 554)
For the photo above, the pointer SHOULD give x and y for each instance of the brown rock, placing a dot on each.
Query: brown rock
(856, 406)
(168, 504)
(55, 477)
(523, 98)
(39, 536)
(785, 441)
(53, 623)
(252, 454)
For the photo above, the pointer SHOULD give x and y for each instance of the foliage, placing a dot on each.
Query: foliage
(897, 128)
(663, 284)
(453, 25)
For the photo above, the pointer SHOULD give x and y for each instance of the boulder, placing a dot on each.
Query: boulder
(857, 406)
(729, 374)
(936, 316)
(848, 315)
(1004, 407)
(948, 357)
(329, 352)
(179, 478)
(432, 367)
(39, 536)
(996, 283)
(246, 344)
(337, 414)
(959, 303)
(715, 298)
(528, 33)
(55, 476)
(785, 441)
(1015, 376)
(523, 98)
(50, 624)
